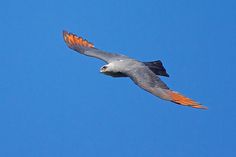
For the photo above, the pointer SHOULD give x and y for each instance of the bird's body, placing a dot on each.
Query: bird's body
(144, 74)
(120, 67)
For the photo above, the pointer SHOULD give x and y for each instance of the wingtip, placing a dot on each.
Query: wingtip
(64, 31)
(199, 106)
(64, 34)
(73, 40)
(203, 107)
(182, 100)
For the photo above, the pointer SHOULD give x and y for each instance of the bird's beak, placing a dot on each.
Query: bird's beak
(101, 70)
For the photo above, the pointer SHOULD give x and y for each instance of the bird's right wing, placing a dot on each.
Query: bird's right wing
(149, 81)
(146, 79)
(84, 47)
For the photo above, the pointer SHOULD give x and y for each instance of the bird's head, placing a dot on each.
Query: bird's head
(108, 68)
(105, 69)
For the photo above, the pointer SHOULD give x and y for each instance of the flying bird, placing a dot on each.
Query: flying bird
(144, 74)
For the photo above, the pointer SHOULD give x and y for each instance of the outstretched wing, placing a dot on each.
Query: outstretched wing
(146, 79)
(84, 47)
(149, 81)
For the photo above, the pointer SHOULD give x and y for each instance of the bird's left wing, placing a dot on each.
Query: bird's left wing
(84, 47)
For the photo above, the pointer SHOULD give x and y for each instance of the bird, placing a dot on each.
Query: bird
(144, 74)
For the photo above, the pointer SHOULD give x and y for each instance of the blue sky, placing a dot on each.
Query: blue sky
(54, 102)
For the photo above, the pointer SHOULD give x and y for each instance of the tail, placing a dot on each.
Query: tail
(157, 67)
(182, 100)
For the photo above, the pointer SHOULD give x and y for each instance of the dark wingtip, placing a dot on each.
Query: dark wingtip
(64, 33)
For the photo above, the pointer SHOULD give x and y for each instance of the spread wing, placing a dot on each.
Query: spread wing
(84, 47)
(146, 79)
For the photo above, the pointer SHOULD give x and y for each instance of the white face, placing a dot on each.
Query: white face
(104, 68)
(108, 68)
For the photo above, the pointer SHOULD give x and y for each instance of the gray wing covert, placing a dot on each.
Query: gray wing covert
(84, 47)
(149, 81)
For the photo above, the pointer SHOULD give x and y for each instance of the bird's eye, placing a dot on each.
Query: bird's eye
(104, 67)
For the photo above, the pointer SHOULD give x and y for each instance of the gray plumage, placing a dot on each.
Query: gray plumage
(144, 74)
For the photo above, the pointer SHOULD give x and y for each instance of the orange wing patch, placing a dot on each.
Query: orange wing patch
(182, 100)
(72, 40)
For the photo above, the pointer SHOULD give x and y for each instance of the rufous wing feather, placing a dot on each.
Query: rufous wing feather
(72, 40)
(182, 100)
